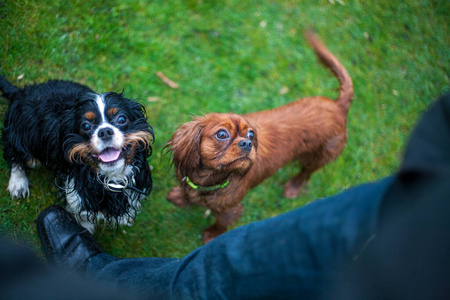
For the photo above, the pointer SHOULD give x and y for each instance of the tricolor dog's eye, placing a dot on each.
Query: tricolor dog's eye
(85, 126)
(250, 134)
(121, 120)
(222, 135)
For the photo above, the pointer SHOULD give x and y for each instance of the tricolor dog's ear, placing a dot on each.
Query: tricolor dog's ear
(185, 146)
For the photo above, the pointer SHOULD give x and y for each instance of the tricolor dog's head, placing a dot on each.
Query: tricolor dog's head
(105, 131)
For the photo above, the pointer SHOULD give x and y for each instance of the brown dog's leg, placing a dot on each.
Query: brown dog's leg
(223, 220)
(294, 185)
(311, 162)
(177, 196)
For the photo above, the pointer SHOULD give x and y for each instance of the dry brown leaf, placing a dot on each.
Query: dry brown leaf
(167, 80)
(284, 90)
(152, 99)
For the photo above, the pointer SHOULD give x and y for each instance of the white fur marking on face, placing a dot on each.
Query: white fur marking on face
(100, 100)
(118, 137)
(18, 185)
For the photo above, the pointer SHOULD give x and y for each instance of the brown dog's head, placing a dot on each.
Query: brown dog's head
(218, 142)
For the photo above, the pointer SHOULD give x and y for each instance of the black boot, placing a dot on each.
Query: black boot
(64, 241)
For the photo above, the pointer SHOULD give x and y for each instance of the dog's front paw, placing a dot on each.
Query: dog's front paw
(18, 185)
(178, 197)
(211, 232)
(19, 189)
(33, 163)
(292, 189)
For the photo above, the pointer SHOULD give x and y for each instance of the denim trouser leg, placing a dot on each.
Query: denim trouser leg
(289, 256)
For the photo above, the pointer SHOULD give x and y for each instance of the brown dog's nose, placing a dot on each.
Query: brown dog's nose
(246, 145)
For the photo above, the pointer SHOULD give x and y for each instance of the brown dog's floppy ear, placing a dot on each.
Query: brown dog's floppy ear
(185, 146)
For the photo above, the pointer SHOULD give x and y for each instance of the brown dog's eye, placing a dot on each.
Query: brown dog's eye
(222, 135)
(250, 134)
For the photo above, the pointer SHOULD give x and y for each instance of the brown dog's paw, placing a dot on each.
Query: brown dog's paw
(178, 197)
(210, 233)
(292, 190)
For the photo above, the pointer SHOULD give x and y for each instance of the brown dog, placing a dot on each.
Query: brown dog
(219, 157)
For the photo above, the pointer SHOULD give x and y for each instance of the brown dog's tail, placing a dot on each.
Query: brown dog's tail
(328, 59)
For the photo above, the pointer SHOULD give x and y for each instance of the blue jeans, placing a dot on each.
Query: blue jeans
(290, 256)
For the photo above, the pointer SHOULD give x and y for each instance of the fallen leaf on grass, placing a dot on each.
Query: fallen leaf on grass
(167, 80)
(284, 90)
(338, 1)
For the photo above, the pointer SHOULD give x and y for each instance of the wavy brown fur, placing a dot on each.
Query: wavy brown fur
(310, 130)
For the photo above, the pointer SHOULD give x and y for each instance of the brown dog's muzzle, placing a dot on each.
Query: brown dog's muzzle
(246, 145)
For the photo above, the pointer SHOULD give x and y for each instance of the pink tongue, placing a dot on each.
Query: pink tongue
(109, 155)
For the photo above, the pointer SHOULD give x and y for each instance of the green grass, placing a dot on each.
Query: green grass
(227, 56)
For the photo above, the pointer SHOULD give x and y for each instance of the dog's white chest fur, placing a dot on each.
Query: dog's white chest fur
(89, 220)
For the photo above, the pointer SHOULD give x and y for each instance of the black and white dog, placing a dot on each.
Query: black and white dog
(97, 145)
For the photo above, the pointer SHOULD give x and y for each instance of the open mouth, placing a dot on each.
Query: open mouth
(109, 156)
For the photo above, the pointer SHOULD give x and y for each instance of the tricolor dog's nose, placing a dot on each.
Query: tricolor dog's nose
(246, 145)
(105, 134)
